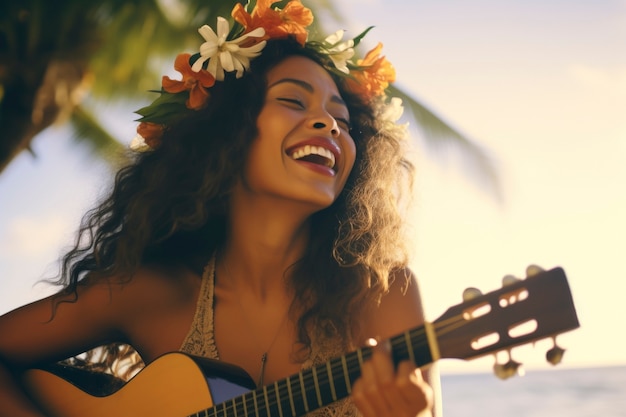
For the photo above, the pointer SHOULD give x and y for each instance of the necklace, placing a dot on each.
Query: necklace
(265, 354)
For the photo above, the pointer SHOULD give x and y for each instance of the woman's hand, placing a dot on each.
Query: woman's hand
(382, 391)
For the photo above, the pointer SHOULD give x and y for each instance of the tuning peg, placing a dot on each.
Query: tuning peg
(508, 369)
(509, 280)
(471, 293)
(555, 355)
(533, 270)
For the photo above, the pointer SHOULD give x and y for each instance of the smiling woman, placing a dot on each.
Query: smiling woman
(299, 123)
(259, 226)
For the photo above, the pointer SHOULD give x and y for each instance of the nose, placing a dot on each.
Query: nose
(327, 123)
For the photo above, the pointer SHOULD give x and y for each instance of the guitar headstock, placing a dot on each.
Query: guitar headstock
(522, 311)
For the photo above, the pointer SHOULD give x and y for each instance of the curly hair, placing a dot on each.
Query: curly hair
(170, 205)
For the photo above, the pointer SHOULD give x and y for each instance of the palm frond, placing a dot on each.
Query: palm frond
(123, 44)
(89, 132)
(442, 139)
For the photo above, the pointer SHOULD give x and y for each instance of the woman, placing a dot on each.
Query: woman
(260, 226)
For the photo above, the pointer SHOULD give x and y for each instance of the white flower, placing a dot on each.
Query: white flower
(390, 113)
(340, 52)
(138, 144)
(226, 55)
(393, 110)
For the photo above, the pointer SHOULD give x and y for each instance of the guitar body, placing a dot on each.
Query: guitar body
(173, 385)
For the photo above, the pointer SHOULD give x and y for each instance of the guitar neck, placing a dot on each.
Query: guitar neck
(520, 312)
(320, 385)
(542, 301)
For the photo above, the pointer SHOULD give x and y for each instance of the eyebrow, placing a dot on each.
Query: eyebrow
(308, 87)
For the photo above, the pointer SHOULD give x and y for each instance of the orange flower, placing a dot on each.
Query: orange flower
(151, 133)
(374, 75)
(194, 82)
(292, 20)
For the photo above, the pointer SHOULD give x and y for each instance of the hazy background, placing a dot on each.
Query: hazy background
(541, 84)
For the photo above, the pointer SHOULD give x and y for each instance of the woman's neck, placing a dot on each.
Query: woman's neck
(265, 239)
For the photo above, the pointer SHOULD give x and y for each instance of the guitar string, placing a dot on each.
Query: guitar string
(309, 380)
(442, 327)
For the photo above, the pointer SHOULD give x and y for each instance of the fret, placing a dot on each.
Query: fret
(324, 388)
(346, 376)
(359, 355)
(245, 404)
(329, 371)
(293, 407)
(217, 409)
(278, 400)
(298, 396)
(355, 362)
(339, 387)
(235, 406)
(409, 345)
(310, 392)
(272, 398)
(256, 404)
(433, 343)
(420, 347)
(317, 387)
(303, 391)
(267, 401)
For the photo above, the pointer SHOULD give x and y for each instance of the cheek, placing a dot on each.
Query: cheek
(272, 125)
(350, 154)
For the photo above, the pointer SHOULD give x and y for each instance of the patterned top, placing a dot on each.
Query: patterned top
(200, 341)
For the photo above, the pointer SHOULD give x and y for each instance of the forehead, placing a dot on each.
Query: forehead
(304, 69)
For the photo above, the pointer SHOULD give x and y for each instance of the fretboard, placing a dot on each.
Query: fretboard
(320, 385)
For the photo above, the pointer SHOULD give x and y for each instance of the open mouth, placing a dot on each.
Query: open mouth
(314, 154)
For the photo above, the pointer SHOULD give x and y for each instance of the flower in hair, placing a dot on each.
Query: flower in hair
(340, 52)
(147, 138)
(392, 111)
(226, 55)
(278, 23)
(196, 82)
(231, 50)
(374, 76)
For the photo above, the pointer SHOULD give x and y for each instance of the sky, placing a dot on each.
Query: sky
(539, 84)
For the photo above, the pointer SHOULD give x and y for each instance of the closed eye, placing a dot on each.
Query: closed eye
(344, 123)
(293, 101)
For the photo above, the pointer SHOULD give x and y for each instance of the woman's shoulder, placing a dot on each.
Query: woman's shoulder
(148, 288)
(156, 282)
(400, 308)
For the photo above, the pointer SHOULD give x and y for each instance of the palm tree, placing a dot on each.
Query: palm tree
(53, 52)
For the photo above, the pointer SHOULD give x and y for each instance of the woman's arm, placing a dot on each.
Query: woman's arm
(405, 391)
(13, 400)
(151, 312)
(40, 333)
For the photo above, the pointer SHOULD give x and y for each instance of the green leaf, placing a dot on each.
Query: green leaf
(166, 108)
(358, 39)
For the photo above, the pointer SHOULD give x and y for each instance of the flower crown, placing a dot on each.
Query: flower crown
(231, 50)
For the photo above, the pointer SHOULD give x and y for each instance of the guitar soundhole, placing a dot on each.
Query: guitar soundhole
(513, 297)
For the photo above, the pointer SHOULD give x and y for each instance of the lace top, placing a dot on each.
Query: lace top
(200, 341)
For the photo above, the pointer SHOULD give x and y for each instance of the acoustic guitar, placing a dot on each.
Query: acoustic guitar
(177, 385)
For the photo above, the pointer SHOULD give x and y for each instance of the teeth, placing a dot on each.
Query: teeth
(315, 150)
